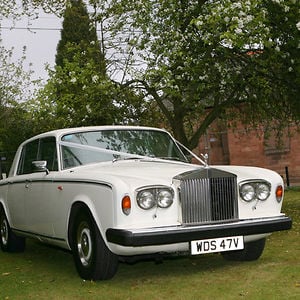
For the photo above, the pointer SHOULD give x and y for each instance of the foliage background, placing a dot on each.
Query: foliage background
(178, 64)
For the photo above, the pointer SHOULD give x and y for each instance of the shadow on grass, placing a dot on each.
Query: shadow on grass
(51, 261)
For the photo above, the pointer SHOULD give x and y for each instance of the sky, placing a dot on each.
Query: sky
(41, 41)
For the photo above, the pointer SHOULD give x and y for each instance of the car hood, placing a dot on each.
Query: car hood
(157, 170)
(142, 171)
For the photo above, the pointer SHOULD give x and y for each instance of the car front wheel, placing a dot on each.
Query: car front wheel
(9, 242)
(252, 251)
(93, 260)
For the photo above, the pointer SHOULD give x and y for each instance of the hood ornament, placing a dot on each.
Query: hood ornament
(205, 157)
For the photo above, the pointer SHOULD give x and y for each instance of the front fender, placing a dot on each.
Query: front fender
(99, 201)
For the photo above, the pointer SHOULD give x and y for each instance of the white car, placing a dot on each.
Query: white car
(114, 193)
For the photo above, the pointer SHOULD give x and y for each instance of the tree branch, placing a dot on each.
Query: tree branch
(151, 91)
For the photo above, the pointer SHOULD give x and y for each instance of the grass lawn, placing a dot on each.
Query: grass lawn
(43, 272)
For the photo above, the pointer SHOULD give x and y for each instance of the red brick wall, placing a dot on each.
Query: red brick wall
(251, 149)
(239, 147)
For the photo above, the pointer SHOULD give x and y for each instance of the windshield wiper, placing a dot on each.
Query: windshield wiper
(170, 158)
(119, 158)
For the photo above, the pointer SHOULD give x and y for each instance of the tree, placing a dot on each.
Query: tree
(77, 35)
(79, 92)
(80, 76)
(285, 34)
(14, 90)
(220, 55)
(15, 9)
(195, 61)
(85, 98)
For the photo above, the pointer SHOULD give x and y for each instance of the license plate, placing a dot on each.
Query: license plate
(217, 245)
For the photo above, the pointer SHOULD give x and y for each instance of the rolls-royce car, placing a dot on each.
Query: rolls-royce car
(118, 193)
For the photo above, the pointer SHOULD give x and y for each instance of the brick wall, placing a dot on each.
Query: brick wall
(253, 148)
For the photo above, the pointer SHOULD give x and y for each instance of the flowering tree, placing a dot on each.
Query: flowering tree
(79, 91)
(199, 54)
(79, 74)
(192, 61)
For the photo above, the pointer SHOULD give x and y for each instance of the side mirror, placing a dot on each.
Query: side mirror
(40, 166)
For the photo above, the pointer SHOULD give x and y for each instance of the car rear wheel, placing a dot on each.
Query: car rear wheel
(9, 242)
(252, 251)
(93, 260)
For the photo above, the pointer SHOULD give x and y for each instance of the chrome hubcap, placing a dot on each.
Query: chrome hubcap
(84, 244)
(4, 232)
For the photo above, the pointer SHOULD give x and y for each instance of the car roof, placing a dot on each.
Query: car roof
(61, 132)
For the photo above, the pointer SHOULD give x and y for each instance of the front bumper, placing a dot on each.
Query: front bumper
(179, 234)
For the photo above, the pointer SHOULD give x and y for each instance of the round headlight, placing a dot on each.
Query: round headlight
(164, 198)
(262, 191)
(247, 192)
(146, 199)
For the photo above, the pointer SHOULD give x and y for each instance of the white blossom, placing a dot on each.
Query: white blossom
(237, 5)
(199, 23)
(88, 108)
(241, 14)
(73, 80)
(298, 25)
(95, 78)
(249, 18)
(202, 78)
(240, 24)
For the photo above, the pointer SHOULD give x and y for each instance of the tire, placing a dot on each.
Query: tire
(252, 251)
(93, 260)
(9, 242)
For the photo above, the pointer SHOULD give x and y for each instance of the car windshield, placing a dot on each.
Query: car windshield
(107, 145)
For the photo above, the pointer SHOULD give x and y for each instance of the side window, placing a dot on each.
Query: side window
(28, 155)
(43, 149)
(48, 152)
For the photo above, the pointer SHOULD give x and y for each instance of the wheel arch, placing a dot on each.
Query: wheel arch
(2, 206)
(93, 259)
(89, 209)
(76, 207)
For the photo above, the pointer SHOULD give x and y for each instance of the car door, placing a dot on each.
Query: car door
(42, 211)
(19, 186)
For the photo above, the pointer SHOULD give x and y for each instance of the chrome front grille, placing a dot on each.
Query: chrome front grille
(207, 196)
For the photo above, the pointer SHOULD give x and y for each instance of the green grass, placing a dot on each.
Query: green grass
(42, 272)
